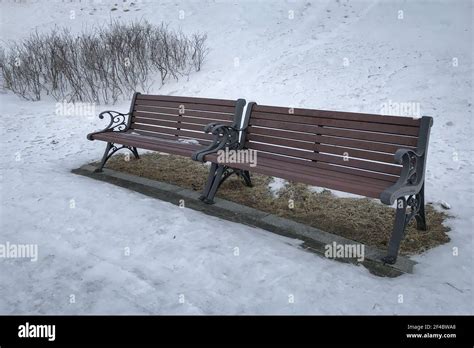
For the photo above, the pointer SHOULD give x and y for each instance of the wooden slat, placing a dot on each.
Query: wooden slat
(360, 144)
(356, 163)
(304, 145)
(336, 150)
(121, 138)
(336, 123)
(176, 118)
(195, 135)
(181, 99)
(358, 172)
(310, 169)
(356, 144)
(355, 153)
(172, 124)
(332, 167)
(140, 132)
(169, 136)
(141, 115)
(191, 113)
(174, 142)
(177, 132)
(257, 124)
(353, 116)
(325, 181)
(190, 106)
(143, 142)
(279, 133)
(159, 130)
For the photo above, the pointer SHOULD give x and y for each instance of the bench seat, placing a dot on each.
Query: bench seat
(181, 146)
(311, 173)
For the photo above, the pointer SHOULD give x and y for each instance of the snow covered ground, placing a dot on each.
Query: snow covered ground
(104, 249)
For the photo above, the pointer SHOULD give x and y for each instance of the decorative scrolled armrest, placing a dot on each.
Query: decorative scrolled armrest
(223, 133)
(411, 177)
(214, 128)
(225, 136)
(118, 122)
(209, 128)
(401, 155)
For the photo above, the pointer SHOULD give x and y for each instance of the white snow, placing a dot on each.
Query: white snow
(117, 251)
(276, 185)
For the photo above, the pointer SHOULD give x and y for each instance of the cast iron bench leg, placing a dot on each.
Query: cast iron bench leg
(135, 152)
(420, 216)
(221, 173)
(219, 176)
(105, 158)
(398, 232)
(110, 149)
(210, 180)
(246, 176)
(402, 218)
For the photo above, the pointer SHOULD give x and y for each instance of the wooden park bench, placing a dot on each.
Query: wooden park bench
(375, 156)
(169, 124)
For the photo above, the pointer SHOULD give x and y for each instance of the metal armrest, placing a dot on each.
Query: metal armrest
(224, 137)
(400, 153)
(214, 127)
(118, 122)
(411, 178)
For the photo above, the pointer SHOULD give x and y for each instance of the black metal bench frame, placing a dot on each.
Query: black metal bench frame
(219, 173)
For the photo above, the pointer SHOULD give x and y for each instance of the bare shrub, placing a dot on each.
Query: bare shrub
(101, 65)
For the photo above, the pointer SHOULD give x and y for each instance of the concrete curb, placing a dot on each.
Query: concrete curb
(314, 239)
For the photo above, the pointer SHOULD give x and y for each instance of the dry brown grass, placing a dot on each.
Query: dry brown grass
(362, 220)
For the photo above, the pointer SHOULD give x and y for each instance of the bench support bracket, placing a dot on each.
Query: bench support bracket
(112, 148)
(407, 209)
(217, 175)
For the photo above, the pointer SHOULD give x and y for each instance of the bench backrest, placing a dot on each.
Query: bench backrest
(173, 117)
(353, 143)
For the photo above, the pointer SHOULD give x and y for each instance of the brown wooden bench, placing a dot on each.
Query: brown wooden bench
(375, 156)
(170, 124)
